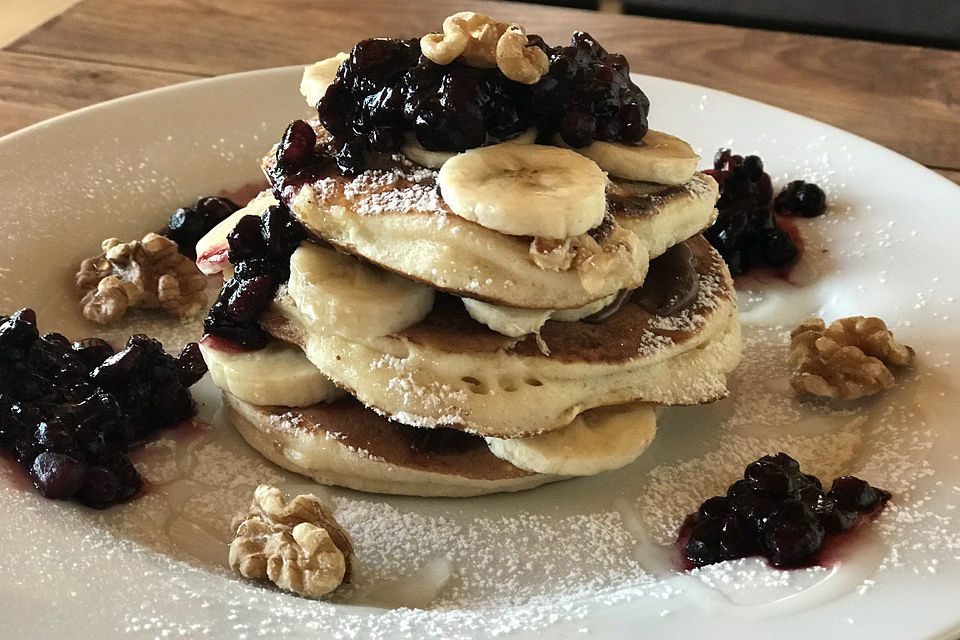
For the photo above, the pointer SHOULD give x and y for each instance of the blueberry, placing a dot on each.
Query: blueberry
(100, 488)
(297, 145)
(92, 351)
(778, 248)
(779, 512)
(57, 476)
(855, 495)
(190, 364)
(215, 210)
(246, 239)
(251, 298)
(801, 199)
(716, 507)
(751, 168)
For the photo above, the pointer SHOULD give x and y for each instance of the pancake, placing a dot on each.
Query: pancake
(394, 215)
(449, 370)
(345, 444)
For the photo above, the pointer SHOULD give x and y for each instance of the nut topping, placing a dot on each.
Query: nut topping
(849, 359)
(149, 273)
(297, 545)
(480, 41)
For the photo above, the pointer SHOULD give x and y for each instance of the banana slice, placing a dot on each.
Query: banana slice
(212, 248)
(435, 159)
(318, 76)
(516, 322)
(510, 321)
(525, 189)
(278, 374)
(355, 299)
(597, 440)
(659, 158)
(573, 315)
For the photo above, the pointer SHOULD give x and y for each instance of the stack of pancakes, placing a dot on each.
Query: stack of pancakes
(418, 351)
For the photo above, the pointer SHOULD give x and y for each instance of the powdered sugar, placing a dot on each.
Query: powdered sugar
(504, 563)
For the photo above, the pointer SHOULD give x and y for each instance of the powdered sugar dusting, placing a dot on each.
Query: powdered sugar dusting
(405, 187)
(498, 564)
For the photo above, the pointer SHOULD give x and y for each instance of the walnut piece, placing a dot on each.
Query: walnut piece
(849, 359)
(297, 545)
(480, 41)
(150, 273)
(591, 259)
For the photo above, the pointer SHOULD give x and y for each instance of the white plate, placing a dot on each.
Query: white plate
(567, 559)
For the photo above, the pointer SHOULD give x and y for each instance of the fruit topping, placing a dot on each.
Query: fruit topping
(801, 198)
(260, 249)
(778, 512)
(188, 224)
(588, 95)
(148, 273)
(526, 190)
(69, 412)
(747, 232)
(387, 89)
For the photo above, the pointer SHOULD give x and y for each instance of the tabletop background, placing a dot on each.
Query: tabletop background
(906, 98)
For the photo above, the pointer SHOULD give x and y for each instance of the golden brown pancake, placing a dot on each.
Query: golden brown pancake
(450, 370)
(394, 216)
(343, 443)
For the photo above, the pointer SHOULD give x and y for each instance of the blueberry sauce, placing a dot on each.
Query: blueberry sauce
(69, 412)
(188, 224)
(777, 512)
(387, 90)
(801, 198)
(260, 249)
(750, 230)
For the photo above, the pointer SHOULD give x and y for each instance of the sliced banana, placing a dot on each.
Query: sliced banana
(516, 322)
(573, 315)
(435, 159)
(510, 321)
(353, 298)
(597, 440)
(212, 248)
(278, 374)
(659, 158)
(318, 76)
(525, 189)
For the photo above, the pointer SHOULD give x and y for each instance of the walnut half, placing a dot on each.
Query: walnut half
(297, 545)
(849, 359)
(150, 272)
(480, 41)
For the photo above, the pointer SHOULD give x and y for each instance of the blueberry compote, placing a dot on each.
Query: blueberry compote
(778, 512)
(188, 224)
(70, 411)
(260, 249)
(387, 89)
(747, 233)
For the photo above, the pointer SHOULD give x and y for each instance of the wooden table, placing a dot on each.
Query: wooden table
(905, 98)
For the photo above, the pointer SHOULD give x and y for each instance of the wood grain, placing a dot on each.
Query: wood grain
(33, 88)
(950, 174)
(906, 98)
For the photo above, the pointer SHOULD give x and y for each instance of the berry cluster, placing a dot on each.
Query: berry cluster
(188, 224)
(69, 412)
(588, 95)
(778, 512)
(260, 249)
(386, 89)
(746, 232)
